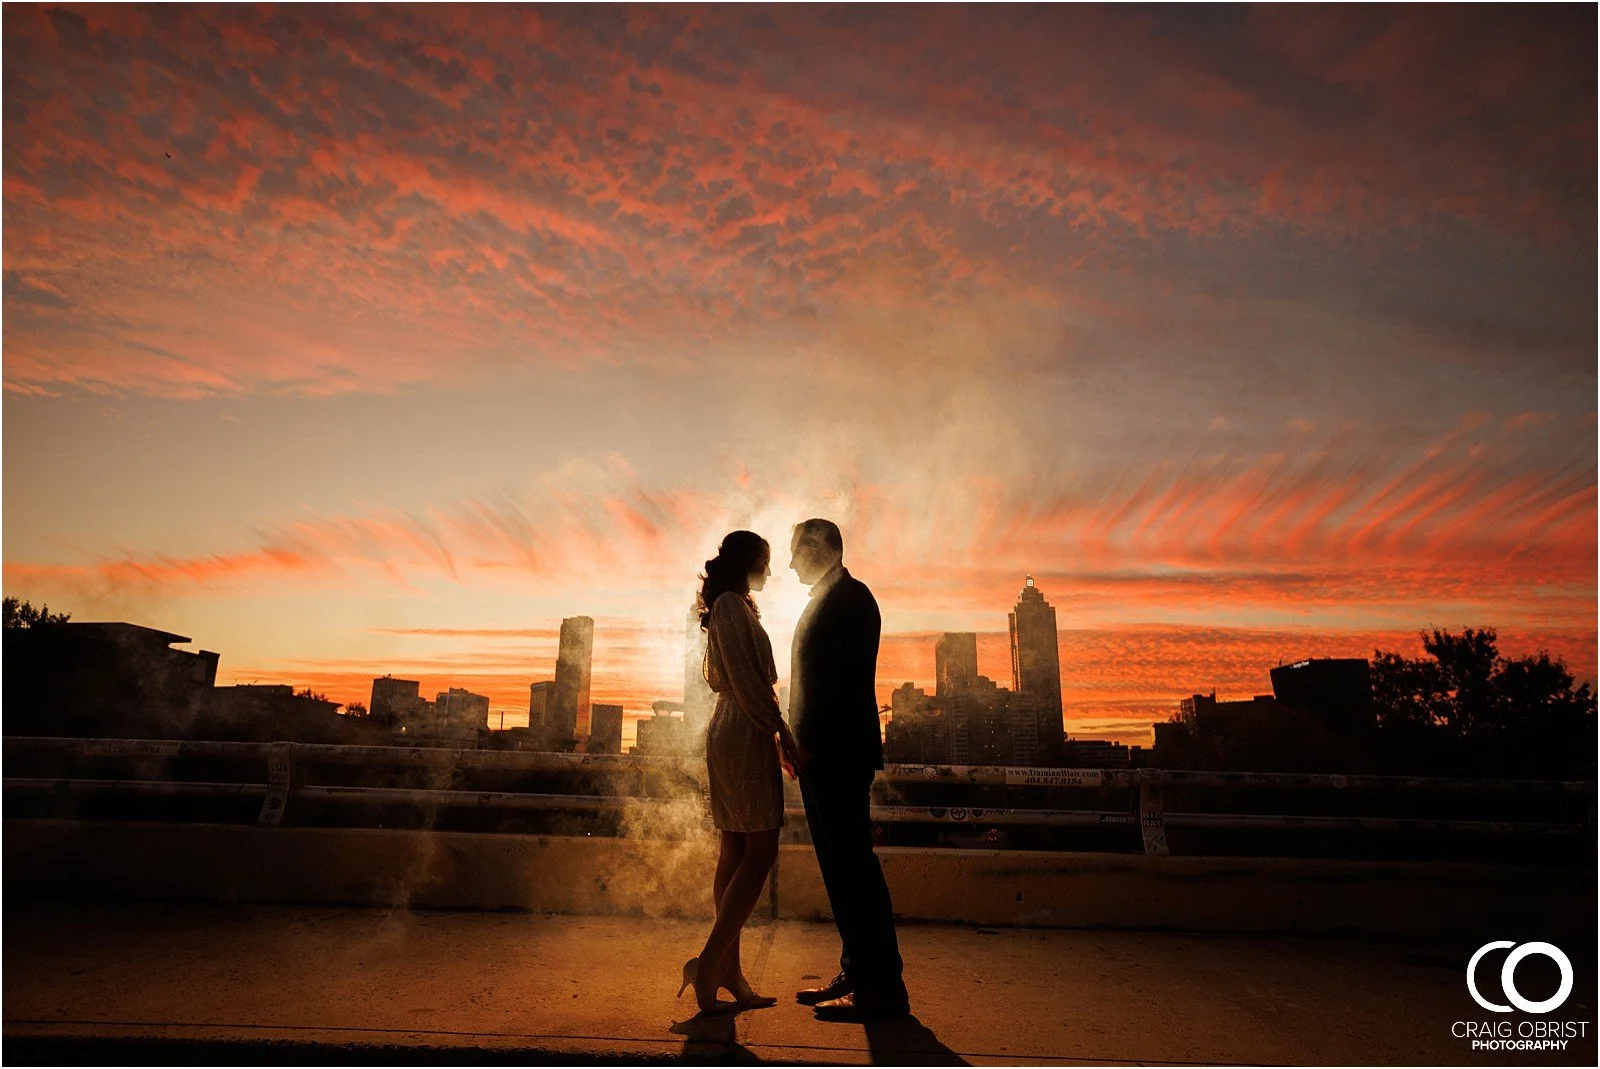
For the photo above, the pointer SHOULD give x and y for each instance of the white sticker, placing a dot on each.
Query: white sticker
(1054, 777)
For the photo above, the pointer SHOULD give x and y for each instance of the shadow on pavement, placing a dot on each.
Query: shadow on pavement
(907, 1041)
(712, 1039)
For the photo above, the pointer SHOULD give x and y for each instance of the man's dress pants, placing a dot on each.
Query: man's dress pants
(838, 810)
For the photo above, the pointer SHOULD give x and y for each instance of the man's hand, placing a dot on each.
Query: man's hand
(801, 756)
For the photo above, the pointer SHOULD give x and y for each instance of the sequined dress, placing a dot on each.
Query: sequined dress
(745, 778)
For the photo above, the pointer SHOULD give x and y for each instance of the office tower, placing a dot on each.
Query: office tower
(958, 713)
(1036, 659)
(1022, 720)
(955, 662)
(902, 736)
(935, 742)
(569, 708)
(1336, 691)
(972, 734)
(463, 706)
(393, 700)
(606, 735)
(539, 695)
(986, 707)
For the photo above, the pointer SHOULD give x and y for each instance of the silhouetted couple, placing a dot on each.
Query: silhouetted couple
(833, 748)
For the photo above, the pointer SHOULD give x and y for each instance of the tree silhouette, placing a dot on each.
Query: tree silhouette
(1464, 707)
(22, 615)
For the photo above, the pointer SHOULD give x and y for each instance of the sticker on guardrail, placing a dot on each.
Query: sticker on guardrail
(1153, 818)
(277, 799)
(1054, 777)
(134, 748)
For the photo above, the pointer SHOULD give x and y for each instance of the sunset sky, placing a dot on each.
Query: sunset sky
(349, 341)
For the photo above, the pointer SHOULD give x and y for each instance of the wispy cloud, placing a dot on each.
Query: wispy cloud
(423, 191)
(1337, 534)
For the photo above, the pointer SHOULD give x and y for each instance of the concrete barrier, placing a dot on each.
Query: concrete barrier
(463, 870)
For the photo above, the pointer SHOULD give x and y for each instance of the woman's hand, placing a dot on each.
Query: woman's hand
(787, 755)
(791, 754)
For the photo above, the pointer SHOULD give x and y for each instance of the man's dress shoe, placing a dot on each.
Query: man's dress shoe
(839, 986)
(862, 1006)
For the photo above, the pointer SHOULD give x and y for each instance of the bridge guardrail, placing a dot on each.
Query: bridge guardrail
(1149, 812)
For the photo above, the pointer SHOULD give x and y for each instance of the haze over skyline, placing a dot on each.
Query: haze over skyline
(355, 341)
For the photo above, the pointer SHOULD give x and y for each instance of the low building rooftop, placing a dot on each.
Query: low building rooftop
(116, 629)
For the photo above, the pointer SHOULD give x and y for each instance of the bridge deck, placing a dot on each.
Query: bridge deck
(185, 982)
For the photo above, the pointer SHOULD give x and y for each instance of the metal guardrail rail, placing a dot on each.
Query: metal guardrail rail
(1150, 814)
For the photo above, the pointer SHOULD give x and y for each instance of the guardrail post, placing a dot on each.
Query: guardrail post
(1152, 816)
(280, 773)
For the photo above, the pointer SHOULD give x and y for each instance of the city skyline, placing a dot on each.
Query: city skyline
(949, 658)
(1255, 333)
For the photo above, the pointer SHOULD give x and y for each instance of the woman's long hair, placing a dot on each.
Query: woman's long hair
(740, 555)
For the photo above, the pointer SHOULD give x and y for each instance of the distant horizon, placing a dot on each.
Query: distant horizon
(1096, 715)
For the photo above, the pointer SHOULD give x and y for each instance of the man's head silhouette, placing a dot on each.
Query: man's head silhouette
(815, 549)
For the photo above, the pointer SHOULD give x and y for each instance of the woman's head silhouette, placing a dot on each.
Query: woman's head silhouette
(739, 567)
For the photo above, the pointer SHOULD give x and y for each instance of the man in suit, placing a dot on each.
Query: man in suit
(833, 711)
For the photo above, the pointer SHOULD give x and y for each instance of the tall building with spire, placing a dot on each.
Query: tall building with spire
(1036, 659)
(568, 711)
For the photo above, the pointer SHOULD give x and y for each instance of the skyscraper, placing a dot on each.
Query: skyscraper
(1036, 659)
(569, 704)
(955, 660)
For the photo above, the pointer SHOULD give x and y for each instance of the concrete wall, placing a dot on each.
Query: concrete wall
(459, 870)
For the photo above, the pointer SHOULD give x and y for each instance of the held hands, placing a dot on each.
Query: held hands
(791, 754)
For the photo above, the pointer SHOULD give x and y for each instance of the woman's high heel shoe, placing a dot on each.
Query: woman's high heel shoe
(690, 968)
(691, 973)
(745, 997)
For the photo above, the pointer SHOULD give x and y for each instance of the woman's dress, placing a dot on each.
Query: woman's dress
(745, 778)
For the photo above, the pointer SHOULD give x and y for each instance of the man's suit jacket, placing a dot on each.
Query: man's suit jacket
(833, 700)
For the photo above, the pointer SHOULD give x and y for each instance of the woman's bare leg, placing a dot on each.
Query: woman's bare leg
(739, 898)
(728, 861)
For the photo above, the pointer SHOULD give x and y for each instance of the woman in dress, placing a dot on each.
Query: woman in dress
(743, 742)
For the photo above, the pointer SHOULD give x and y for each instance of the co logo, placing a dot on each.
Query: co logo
(1508, 976)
